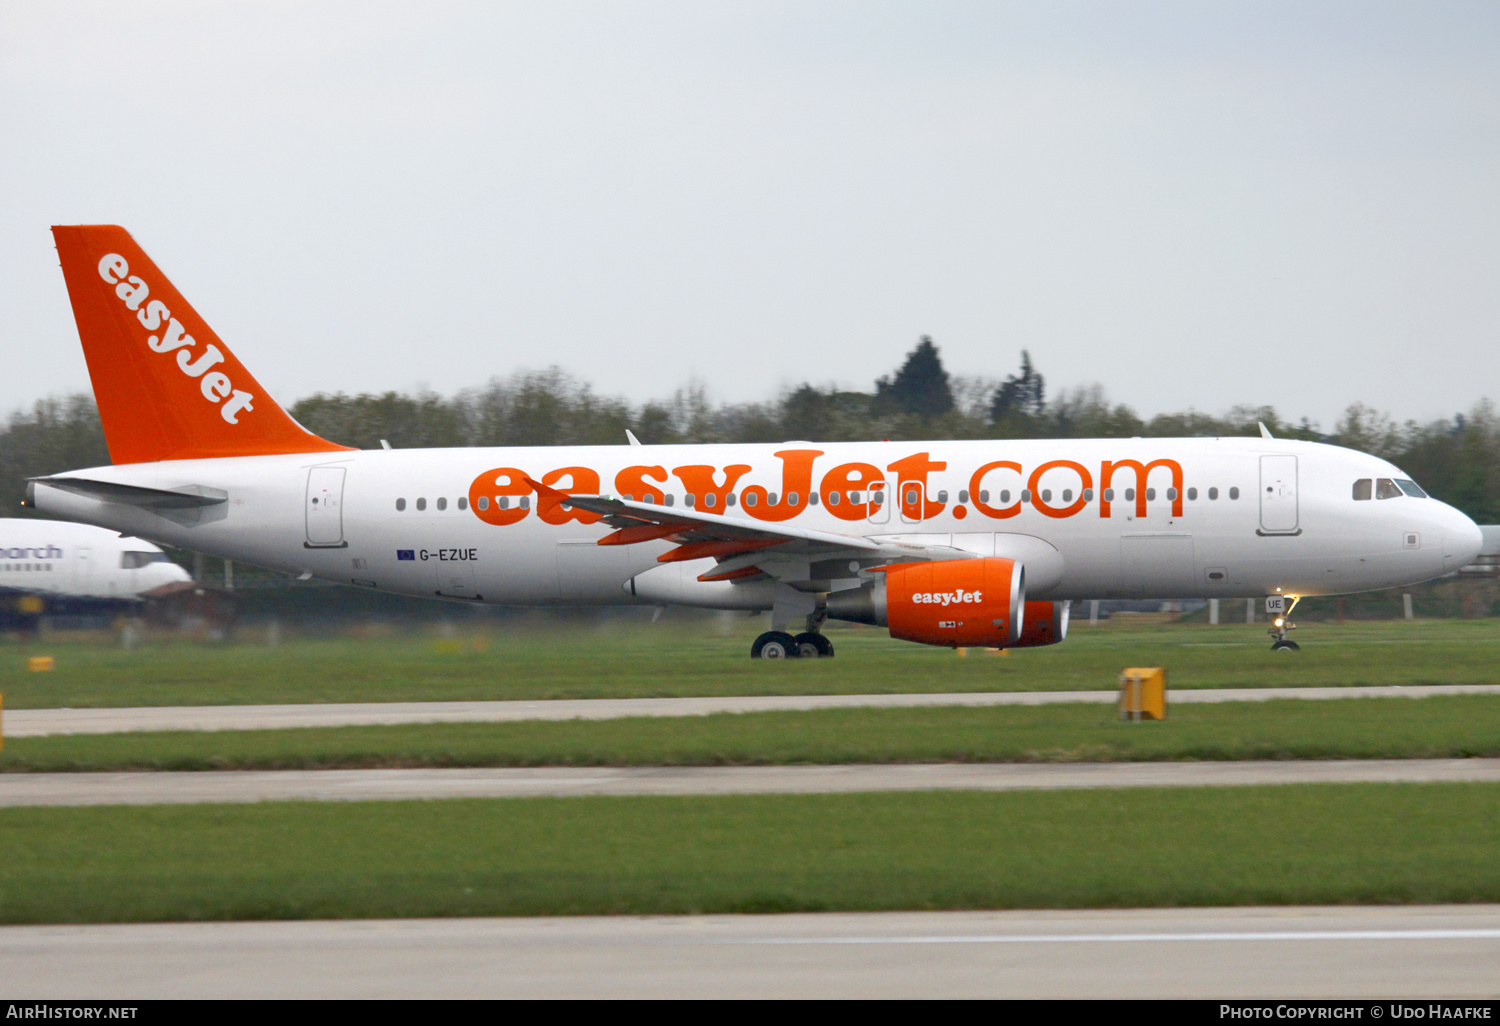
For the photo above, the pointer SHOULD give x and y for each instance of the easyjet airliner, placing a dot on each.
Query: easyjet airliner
(957, 543)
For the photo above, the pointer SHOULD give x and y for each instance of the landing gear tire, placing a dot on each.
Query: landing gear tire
(775, 645)
(1283, 623)
(813, 645)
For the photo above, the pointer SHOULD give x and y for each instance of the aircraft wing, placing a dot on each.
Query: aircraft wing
(743, 547)
(692, 525)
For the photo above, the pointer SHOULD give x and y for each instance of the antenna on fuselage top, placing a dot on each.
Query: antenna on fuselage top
(630, 435)
(1265, 432)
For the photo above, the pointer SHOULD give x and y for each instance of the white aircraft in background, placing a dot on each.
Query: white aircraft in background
(958, 543)
(75, 561)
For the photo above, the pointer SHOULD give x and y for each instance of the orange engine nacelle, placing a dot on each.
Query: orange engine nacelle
(1044, 623)
(961, 603)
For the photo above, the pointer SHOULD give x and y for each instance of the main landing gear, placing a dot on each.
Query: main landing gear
(810, 644)
(1279, 627)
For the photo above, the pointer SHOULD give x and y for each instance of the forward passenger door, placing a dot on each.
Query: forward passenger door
(1278, 495)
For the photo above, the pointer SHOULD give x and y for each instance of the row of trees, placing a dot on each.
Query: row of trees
(1457, 460)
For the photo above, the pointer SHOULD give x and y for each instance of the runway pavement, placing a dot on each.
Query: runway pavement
(1346, 952)
(40, 722)
(18, 789)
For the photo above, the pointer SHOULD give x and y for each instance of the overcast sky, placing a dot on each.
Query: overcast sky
(1195, 204)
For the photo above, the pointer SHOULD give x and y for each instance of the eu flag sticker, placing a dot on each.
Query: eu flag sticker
(406, 553)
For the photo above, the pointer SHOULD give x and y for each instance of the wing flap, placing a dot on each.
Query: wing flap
(693, 526)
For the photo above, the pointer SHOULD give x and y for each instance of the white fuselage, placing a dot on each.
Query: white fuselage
(79, 561)
(392, 519)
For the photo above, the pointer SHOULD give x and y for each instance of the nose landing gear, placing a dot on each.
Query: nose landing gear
(1281, 625)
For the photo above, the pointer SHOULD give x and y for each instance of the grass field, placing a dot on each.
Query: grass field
(710, 657)
(1443, 727)
(1312, 844)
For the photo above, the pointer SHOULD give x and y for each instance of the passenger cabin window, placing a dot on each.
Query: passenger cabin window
(400, 505)
(1213, 493)
(421, 504)
(442, 504)
(1363, 489)
(1385, 488)
(1234, 493)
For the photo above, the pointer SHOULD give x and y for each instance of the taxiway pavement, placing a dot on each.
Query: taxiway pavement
(171, 788)
(40, 722)
(1346, 952)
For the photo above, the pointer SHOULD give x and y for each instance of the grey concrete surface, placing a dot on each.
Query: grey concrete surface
(1346, 952)
(39, 722)
(396, 784)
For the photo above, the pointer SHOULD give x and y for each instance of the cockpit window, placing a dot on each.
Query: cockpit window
(1385, 488)
(1410, 488)
(1362, 489)
(136, 560)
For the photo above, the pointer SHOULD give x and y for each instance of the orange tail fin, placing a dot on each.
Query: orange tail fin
(168, 388)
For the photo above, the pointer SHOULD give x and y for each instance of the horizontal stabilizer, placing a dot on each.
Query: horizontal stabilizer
(187, 497)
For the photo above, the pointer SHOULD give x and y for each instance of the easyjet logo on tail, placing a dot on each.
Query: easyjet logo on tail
(152, 314)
